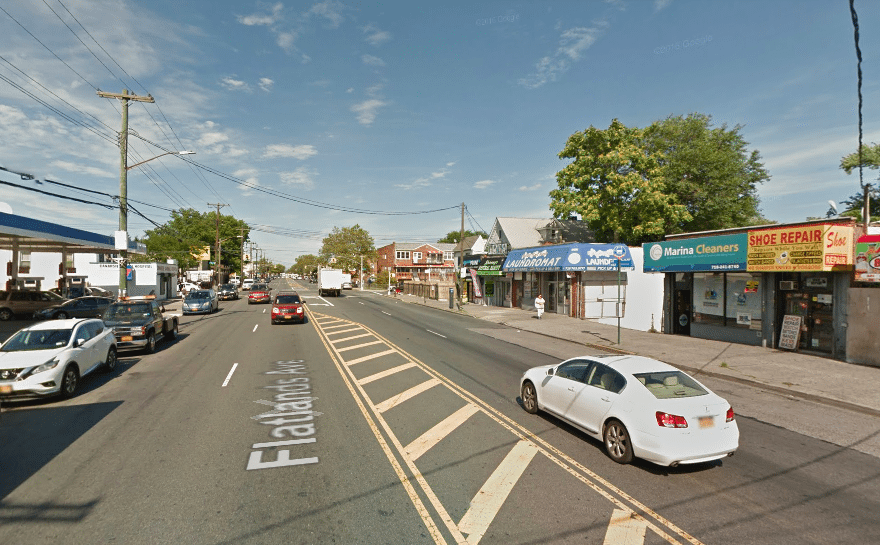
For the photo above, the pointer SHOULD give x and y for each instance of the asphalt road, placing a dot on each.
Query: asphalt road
(382, 422)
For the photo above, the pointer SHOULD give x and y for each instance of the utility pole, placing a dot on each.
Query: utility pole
(217, 243)
(459, 286)
(123, 179)
(241, 247)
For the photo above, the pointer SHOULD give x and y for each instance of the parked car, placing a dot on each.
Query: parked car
(346, 285)
(260, 293)
(81, 307)
(288, 307)
(201, 302)
(227, 291)
(26, 302)
(138, 323)
(79, 291)
(49, 358)
(639, 407)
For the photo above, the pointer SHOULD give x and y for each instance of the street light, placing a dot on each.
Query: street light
(122, 236)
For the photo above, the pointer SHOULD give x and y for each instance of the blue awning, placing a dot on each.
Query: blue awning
(569, 257)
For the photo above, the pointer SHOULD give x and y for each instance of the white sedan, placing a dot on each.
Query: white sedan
(49, 358)
(638, 406)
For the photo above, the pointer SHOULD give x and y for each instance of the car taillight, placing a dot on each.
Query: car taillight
(670, 420)
(730, 414)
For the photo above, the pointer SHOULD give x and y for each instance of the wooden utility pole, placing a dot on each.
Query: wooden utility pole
(217, 243)
(123, 178)
(459, 285)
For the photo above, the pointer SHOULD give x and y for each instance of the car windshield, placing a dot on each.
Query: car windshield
(287, 299)
(259, 287)
(40, 339)
(116, 312)
(670, 384)
(198, 295)
(227, 287)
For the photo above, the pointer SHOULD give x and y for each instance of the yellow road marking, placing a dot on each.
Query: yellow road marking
(370, 357)
(347, 348)
(394, 401)
(388, 373)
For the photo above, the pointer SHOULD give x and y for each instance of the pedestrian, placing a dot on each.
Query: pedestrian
(539, 305)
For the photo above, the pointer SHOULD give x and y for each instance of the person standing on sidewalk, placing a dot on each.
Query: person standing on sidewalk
(539, 305)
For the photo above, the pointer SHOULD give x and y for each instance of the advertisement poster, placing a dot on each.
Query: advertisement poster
(818, 247)
(868, 259)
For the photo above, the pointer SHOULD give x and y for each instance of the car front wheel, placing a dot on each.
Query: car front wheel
(529, 398)
(111, 361)
(151, 343)
(61, 316)
(69, 381)
(617, 442)
(5, 314)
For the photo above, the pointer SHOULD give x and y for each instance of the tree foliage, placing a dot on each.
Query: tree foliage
(677, 175)
(346, 246)
(614, 186)
(870, 158)
(305, 265)
(186, 235)
(855, 205)
(708, 170)
(452, 237)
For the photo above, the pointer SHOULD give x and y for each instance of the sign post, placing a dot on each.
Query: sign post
(619, 253)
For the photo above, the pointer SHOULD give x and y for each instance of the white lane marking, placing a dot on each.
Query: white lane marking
(386, 373)
(370, 357)
(435, 333)
(394, 401)
(491, 496)
(264, 311)
(383, 312)
(436, 434)
(229, 376)
(360, 302)
(255, 327)
(347, 348)
(625, 529)
(351, 338)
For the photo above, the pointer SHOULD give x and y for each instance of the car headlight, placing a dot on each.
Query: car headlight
(51, 364)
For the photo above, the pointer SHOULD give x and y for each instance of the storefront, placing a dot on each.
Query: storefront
(469, 266)
(739, 287)
(495, 285)
(565, 274)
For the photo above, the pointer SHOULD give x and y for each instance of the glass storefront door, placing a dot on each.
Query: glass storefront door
(813, 301)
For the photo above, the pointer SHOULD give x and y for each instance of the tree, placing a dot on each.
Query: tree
(452, 237)
(346, 246)
(305, 265)
(856, 203)
(615, 187)
(709, 170)
(189, 232)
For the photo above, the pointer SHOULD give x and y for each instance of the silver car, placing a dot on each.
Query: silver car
(201, 302)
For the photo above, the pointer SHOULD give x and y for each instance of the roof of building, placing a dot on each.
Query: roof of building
(520, 232)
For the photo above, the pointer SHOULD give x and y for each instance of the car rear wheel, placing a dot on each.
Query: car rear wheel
(111, 361)
(171, 334)
(617, 442)
(61, 316)
(69, 381)
(529, 398)
(5, 314)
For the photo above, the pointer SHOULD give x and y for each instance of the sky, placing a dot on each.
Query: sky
(305, 116)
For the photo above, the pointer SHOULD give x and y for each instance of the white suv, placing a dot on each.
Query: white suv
(48, 358)
(246, 285)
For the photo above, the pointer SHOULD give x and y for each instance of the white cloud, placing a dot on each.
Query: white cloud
(371, 60)
(285, 150)
(373, 91)
(264, 19)
(285, 41)
(572, 44)
(375, 37)
(301, 177)
(367, 110)
(212, 139)
(450, 164)
(232, 84)
(249, 175)
(83, 169)
(661, 4)
(535, 187)
(266, 84)
(483, 184)
(329, 10)
(350, 90)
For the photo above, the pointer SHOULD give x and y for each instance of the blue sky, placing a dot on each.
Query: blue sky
(412, 106)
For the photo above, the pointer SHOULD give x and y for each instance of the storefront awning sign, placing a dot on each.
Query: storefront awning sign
(490, 266)
(720, 253)
(814, 247)
(868, 259)
(569, 257)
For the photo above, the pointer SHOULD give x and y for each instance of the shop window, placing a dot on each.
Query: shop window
(728, 299)
(709, 298)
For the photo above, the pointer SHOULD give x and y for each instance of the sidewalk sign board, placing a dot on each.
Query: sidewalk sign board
(790, 334)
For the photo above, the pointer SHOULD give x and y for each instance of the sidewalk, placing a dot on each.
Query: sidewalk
(804, 376)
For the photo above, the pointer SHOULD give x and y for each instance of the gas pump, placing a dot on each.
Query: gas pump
(72, 286)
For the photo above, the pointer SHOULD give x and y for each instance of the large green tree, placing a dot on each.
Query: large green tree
(709, 170)
(344, 247)
(185, 236)
(452, 237)
(305, 265)
(855, 205)
(616, 188)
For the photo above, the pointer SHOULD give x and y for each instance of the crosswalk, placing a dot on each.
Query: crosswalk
(364, 358)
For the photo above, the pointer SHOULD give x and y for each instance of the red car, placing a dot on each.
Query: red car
(288, 307)
(260, 293)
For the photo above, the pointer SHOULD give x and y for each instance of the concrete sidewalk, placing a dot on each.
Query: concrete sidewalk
(805, 376)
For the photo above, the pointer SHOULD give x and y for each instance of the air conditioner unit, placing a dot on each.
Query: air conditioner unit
(788, 285)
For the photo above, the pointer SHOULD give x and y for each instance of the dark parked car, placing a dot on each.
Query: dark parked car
(81, 307)
(26, 302)
(288, 307)
(227, 291)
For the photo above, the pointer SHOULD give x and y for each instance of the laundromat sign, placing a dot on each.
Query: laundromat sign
(815, 247)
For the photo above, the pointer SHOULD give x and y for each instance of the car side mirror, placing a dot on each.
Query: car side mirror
(79, 342)
(550, 371)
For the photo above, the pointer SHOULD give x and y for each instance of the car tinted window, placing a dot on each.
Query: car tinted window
(19, 296)
(607, 378)
(260, 287)
(287, 299)
(44, 339)
(669, 384)
(574, 370)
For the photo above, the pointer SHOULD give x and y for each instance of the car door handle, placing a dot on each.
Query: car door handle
(571, 389)
(605, 399)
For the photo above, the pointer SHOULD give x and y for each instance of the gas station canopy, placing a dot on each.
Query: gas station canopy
(23, 234)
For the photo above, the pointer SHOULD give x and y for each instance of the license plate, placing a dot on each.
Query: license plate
(125, 338)
(707, 422)
(5, 389)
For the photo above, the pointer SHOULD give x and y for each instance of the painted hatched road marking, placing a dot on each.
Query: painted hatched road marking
(387, 373)
(337, 341)
(433, 436)
(604, 488)
(625, 529)
(355, 347)
(394, 401)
